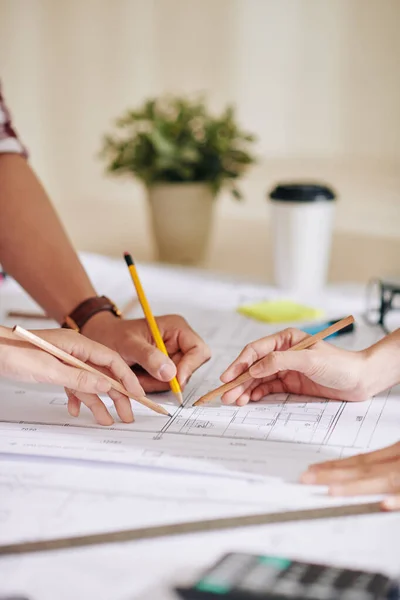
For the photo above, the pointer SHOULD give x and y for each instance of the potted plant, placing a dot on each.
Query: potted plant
(184, 155)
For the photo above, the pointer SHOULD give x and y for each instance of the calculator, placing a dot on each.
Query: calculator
(251, 577)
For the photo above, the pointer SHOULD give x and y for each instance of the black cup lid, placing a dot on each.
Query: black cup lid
(301, 192)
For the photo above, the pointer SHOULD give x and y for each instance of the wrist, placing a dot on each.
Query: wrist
(382, 366)
(98, 325)
(88, 309)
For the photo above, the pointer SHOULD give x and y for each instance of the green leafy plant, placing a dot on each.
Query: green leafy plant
(175, 139)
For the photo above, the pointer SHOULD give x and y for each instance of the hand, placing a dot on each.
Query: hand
(134, 342)
(372, 473)
(323, 370)
(20, 361)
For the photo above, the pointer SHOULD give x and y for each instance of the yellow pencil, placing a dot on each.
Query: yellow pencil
(155, 332)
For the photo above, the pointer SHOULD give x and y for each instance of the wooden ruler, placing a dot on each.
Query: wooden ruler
(159, 531)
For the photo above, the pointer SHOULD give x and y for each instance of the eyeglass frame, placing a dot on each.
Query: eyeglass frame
(388, 291)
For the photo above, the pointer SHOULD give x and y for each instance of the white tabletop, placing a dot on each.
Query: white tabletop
(150, 569)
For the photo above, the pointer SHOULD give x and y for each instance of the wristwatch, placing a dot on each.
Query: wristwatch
(87, 309)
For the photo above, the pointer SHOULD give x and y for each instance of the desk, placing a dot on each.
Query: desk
(148, 569)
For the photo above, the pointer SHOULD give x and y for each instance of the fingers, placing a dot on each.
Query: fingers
(180, 340)
(101, 356)
(246, 358)
(242, 392)
(391, 503)
(149, 383)
(122, 406)
(384, 454)
(343, 475)
(156, 363)
(275, 386)
(259, 349)
(76, 379)
(94, 404)
(385, 480)
(99, 410)
(303, 362)
(371, 473)
(74, 404)
(195, 353)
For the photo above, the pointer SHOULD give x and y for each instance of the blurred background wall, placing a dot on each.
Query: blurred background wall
(317, 80)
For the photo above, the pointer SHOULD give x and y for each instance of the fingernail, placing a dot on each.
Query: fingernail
(166, 372)
(389, 504)
(308, 477)
(183, 379)
(228, 401)
(103, 385)
(74, 411)
(186, 379)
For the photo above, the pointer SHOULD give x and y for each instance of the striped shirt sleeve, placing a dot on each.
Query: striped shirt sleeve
(9, 141)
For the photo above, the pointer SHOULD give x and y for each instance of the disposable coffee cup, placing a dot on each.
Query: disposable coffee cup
(302, 221)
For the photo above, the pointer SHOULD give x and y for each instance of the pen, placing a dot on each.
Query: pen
(313, 329)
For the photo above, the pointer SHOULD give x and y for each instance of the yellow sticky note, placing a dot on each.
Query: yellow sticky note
(280, 311)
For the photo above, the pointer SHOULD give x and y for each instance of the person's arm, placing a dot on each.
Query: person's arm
(329, 372)
(35, 250)
(322, 370)
(34, 247)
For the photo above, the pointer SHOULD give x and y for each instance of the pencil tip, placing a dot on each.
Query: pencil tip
(128, 259)
(170, 416)
(180, 397)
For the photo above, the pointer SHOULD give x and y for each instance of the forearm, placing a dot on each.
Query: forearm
(383, 363)
(34, 247)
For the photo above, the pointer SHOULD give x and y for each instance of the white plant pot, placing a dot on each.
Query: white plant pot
(181, 215)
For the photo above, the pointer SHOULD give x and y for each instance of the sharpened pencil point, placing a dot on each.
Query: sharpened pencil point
(180, 397)
(170, 416)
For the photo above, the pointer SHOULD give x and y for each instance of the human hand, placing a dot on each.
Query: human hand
(322, 370)
(133, 341)
(372, 473)
(20, 361)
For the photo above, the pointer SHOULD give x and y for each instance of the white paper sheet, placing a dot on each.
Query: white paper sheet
(40, 499)
(277, 437)
(213, 438)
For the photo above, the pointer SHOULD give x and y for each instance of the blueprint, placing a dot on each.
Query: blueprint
(277, 437)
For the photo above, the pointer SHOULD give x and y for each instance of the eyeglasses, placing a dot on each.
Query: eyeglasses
(383, 304)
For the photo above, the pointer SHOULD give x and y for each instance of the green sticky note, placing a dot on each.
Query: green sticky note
(280, 311)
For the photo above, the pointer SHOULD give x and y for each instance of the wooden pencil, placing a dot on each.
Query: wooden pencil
(306, 343)
(24, 314)
(129, 306)
(152, 323)
(20, 314)
(46, 346)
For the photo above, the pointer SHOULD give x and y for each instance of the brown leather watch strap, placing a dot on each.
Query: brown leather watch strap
(87, 309)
